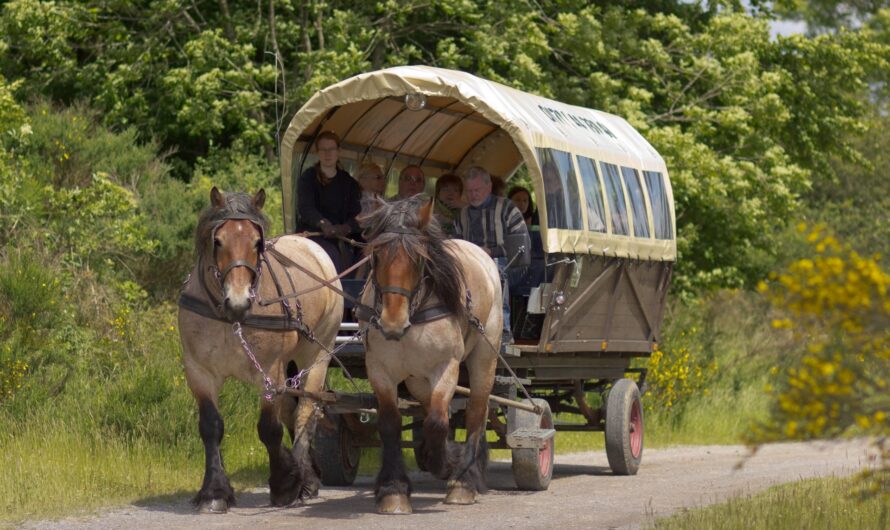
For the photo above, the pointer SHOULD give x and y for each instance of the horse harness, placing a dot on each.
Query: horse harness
(291, 319)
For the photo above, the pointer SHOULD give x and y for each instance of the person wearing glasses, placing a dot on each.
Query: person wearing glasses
(411, 182)
(328, 200)
(372, 182)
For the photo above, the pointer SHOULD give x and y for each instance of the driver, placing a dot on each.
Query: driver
(328, 200)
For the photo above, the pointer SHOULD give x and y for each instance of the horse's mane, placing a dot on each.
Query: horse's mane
(396, 224)
(238, 205)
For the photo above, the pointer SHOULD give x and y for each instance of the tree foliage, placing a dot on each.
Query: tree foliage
(746, 122)
(822, 15)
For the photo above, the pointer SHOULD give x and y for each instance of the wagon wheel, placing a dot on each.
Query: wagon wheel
(624, 428)
(336, 454)
(532, 468)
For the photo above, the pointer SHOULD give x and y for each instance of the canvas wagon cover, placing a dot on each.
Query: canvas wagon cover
(470, 121)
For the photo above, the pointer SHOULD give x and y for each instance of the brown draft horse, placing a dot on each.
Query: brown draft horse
(421, 332)
(236, 269)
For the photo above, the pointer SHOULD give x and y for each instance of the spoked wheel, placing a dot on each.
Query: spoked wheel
(624, 428)
(336, 453)
(532, 468)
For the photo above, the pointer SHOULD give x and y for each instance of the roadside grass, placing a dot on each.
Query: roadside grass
(54, 464)
(813, 503)
(124, 429)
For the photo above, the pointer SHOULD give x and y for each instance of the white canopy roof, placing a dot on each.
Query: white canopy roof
(468, 121)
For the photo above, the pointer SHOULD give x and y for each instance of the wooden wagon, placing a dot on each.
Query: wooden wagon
(593, 297)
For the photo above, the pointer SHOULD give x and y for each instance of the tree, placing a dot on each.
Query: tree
(822, 15)
(745, 122)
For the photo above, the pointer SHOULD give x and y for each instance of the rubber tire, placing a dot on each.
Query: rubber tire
(624, 448)
(336, 455)
(532, 468)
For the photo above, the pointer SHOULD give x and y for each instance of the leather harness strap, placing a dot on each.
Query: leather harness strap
(268, 322)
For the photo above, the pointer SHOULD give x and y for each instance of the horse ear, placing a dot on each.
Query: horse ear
(425, 214)
(259, 199)
(216, 198)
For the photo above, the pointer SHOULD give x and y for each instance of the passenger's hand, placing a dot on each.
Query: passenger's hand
(341, 230)
(327, 229)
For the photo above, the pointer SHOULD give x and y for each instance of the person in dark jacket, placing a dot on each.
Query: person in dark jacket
(328, 200)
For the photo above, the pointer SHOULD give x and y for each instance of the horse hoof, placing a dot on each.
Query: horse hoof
(214, 506)
(394, 505)
(284, 499)
(460, 495)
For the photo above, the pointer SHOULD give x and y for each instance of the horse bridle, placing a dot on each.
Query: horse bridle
(255, 269)
(380, 290)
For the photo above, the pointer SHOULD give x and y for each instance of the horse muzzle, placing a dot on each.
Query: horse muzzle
(393, 331)
(236, 311)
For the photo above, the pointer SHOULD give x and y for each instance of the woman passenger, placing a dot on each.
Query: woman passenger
(523, 201)
(328, 200)
(449, 200)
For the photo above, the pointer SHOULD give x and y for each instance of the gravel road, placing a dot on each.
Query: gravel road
(583, 494)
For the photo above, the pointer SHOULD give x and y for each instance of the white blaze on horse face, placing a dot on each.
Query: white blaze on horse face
(237, 293)
(239, 244)
(394, 317)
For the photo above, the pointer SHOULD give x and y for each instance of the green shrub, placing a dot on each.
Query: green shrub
(837, 302)
(69, 145)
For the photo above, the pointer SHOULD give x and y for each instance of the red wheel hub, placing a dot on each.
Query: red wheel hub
(636, 429)
(545, 454)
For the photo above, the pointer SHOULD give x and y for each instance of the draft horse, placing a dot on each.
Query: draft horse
(227, 330)
(432, 298)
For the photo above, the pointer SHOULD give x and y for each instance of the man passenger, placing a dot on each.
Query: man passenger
(486, 221)
(411, 182)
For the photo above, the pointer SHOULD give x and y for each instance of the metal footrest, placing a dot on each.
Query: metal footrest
(529, 438)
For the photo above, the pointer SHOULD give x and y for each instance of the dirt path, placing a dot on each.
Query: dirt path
(583, 494)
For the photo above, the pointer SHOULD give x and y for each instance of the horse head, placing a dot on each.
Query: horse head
(237, 247)
(399, 257)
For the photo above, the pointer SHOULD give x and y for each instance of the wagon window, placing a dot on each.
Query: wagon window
(593, 193)
(615, 195)
(661, 213)
(638, 203)
(560, 189)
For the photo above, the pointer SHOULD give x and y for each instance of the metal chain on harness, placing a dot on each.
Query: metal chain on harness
(294, 382)
(267, 383)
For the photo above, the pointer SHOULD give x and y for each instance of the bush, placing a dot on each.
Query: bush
(839, 303)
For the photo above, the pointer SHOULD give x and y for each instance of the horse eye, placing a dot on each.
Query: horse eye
(217, 243)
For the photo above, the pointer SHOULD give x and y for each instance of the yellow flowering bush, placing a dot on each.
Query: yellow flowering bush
(678, 371)
(837, 301)
(12, 376)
